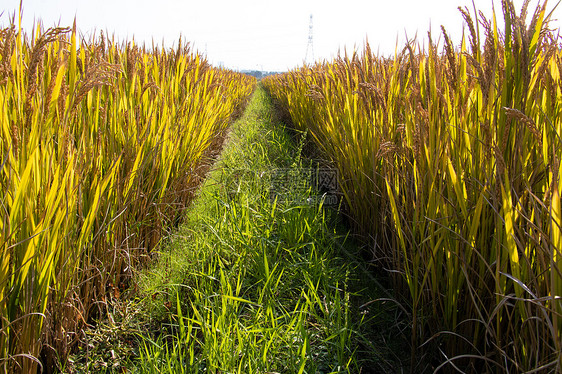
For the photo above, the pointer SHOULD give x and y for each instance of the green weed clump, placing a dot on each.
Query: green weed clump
(258, 280)
(450, 165)
(101, 146)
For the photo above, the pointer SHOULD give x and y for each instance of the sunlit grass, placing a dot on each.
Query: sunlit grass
(258, 283)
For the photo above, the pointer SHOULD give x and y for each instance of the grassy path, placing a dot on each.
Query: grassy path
(258, 280)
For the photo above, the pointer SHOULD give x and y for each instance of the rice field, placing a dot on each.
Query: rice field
(101, 147)
(449, 162)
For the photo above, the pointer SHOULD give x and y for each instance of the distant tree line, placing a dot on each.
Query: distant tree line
(258, 73)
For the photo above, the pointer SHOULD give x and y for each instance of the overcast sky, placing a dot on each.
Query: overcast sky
(252, 34)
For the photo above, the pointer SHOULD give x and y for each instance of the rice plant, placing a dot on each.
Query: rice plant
(101, 147)
(450, 167)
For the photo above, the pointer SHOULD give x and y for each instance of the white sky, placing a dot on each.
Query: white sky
(260, 35)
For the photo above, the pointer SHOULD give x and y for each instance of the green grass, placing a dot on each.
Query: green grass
(258, 280)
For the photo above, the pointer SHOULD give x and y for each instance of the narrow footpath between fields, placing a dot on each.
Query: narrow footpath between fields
(260, 278)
